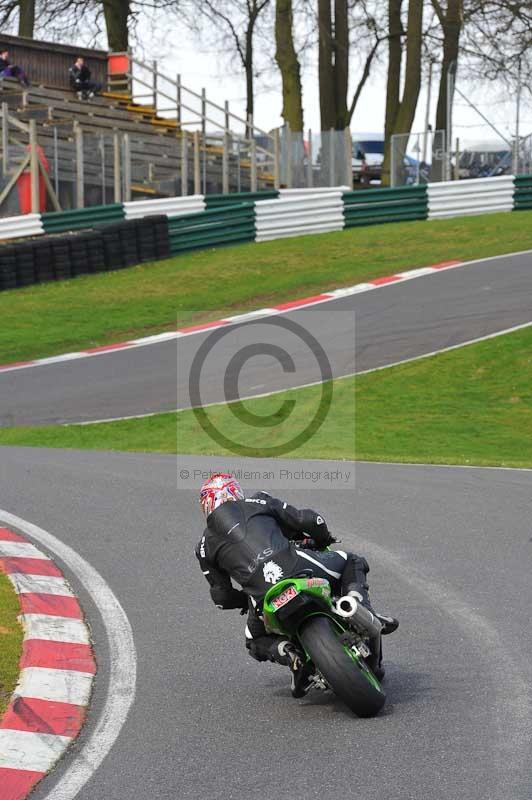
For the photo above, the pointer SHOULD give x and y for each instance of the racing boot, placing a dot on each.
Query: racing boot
(360, 593)
(269, 648)
(300, 679)
(300, 674)
(354, 583)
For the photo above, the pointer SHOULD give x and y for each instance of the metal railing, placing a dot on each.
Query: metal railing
(194, 114)
(82, 167)
(23, 155)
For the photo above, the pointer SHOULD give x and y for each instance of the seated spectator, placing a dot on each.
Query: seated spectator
(9, 70)
(80, 80)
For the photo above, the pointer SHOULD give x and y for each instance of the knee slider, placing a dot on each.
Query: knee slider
(259, 649)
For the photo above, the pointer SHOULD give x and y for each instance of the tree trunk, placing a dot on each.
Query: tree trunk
(395, 54)
(116, 13)
(406, 110)
(288, 62)
(341, 63)
(452, 28)
(325, 67)
(26, 19)
(393, 87)
(248, 66)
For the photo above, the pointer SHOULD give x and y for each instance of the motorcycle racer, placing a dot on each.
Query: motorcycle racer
(258, 540)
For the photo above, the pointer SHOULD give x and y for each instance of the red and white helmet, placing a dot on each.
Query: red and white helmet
(218, 489)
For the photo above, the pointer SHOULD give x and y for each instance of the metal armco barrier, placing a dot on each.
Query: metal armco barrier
(297, 215)
(17, 227)
(222, 200)
(522, 192)
(466, 198)
(195, 222)
(216, 226)
(111, 246)
(167, 205)
(371, 207)
(77, 219)
(285, 193)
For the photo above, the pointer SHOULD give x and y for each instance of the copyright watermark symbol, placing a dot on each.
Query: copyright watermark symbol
(263, 389)
(244, 415)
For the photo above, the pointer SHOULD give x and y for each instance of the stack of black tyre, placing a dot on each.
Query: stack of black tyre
(107, 247)
(8, 267)
(135, 241)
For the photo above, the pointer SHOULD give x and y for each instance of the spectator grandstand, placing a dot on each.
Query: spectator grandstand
(116, 146)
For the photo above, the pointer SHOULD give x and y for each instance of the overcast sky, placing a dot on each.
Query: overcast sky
(200, 66)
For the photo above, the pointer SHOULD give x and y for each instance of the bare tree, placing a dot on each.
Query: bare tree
(395, 56)
(334, 46)
(341, 62)
(117, 14)
(402, 112)
(288, 62)
(497, 40)
(92, 19)
(235, 25)
(326, 76)
(26, 19)
(372, 34)
(451, 20)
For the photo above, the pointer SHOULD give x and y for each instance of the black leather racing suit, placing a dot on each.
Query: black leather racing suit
(253, 542)
(80, 79)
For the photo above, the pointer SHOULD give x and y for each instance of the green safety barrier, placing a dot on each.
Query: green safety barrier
(522, 192)
(76, 219)
(376, 206)
(217, 200)
(212, 227)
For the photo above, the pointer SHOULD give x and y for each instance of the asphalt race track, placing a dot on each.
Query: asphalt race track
(450, 554)
(357, 332)
(449, 550)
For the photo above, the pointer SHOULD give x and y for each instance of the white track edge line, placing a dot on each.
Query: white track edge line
(314, 383)
(229, 321)
(122, 657)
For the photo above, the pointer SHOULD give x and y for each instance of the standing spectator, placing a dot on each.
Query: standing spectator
(9, 70)
(80, 80)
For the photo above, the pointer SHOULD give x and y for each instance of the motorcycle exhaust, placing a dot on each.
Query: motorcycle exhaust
(359, 616)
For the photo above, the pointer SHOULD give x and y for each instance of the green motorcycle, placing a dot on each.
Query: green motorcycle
(332, 637)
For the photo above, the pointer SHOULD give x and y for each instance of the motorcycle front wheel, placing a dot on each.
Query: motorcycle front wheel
(347, 674)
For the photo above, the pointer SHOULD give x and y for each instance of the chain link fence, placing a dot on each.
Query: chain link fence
(418, 158)
(317, 160)
(523, 156)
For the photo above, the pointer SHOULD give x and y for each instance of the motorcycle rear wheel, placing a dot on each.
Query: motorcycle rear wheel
(348, 676)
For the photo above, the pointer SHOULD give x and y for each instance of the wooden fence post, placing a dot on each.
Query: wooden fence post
(197, 171)
(276, 159)
(127, 168)
(34, 168)
(80, 177)
(5, 138)
(117, 168)
(184, 164)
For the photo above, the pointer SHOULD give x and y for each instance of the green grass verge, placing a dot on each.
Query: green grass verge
(469, 406)
(100, 309)
(10, 641)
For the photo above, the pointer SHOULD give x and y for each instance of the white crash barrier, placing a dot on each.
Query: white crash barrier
(171, 206)
(466, 198)
(295, 215)
(23, 225)
(314, 191)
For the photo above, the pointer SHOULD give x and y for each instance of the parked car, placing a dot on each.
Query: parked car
(483, 159)
(368, 155)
